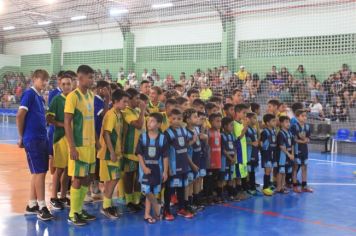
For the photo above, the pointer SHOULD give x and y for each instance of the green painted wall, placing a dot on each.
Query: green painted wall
(56, 55)
(37, 61)
(101, 59)
(174, 59)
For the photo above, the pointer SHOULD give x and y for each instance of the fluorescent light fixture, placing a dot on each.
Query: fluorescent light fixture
(163, 5)
(118, 11)
(47, 22)
(78, 18)
(9, 28)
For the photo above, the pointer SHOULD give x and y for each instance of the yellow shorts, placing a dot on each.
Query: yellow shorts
(86, 163)
(60, 153)
(109, 170)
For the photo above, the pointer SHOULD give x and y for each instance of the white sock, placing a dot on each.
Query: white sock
(32, 203)
(42, 204)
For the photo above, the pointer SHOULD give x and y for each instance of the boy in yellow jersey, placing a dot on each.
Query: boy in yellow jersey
(80, 133)
(154, 105)
(134, 119)
(110, 154)
(55, 116)
(169, 106)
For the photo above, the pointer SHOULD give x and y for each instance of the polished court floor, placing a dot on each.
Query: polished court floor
(330, 210)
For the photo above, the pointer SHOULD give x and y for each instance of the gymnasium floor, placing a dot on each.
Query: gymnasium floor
(329, 211)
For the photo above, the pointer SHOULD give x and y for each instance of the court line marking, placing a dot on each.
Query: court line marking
(336, 162)
(291, 218)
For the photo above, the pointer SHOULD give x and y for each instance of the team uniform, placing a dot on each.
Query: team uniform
(153, 152)
(178, 156)
(99, 106)
(241, 146)
(284, 138)
(228, 143)
(214, 143)
(155, 108)
(268, 148)
(82, 107)
(131, 136)
(165, 122)
(34, 137)
(197, 154)
(113, 123)
(252, 152)
(52, 94)
(60, 144)
(301, 149)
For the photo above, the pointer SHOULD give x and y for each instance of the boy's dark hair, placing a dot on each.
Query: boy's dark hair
(255, 107)
(300, 112)
(119, 94)
(143, 97)
(102, 84)
(235, 91)
(226, 121)
(200, 114)
(213, 116)
(60, 74)
(209, 106)
(115, 86)
(85, 69)
(43, 74)
(283, 118)
(181, 100)
(227, 106)
(175, 112)
(192, 91)
(157, 116)
(170, 101)
(132, 92)
(188, 113)
(297, 106)
(68, 74)
(157, 89)
(240, 107)
(198, 102)
(268, 117)
(250, 115)
(177, 86)
(144, 82)
(274, 102)
(171, 93)
(215, 99)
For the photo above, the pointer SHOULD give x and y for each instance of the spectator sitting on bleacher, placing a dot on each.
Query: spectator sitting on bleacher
(339, 111)
(242, 73)
(284, 74)
(345, 73)
(316, 109)
(271, 76)
(300, 73)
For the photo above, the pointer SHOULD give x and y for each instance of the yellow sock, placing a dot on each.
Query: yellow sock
(75, 196)
(107, 202)
(128, 198)
(120, 189)
(83, 192)
(136, 197)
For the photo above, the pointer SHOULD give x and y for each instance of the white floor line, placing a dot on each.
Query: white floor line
(8, 140)
(333, 184)
(334, 162)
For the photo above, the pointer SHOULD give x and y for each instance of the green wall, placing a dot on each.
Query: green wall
(37, 61)
(174, 59)
(100, 59)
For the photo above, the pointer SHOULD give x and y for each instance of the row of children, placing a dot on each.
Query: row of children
(189, 148)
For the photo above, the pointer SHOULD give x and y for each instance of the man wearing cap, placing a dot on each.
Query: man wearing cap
(242, 73)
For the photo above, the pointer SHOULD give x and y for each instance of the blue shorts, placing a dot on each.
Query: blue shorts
(191, 177)
(202, 173)
(266, 160)
(37, 156)
(301, 159)
(178, 181)
(147, 189)
(50, 135)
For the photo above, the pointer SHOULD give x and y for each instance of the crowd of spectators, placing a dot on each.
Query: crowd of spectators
(331, 98)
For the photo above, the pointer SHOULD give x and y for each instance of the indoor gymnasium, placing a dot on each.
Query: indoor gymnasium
(177, 117)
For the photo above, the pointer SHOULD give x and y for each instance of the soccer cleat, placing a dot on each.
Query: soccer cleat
(76, 220)
(191, 209)
(267, 192)
(86, 216)
(168, 216)
(296, 189)
(110, 212)
(32, 210)
(184, 213)
(56, 204)
(307, 190)
(44, 214)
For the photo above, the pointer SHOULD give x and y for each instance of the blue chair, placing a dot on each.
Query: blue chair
(353, 138)
(342, 135)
